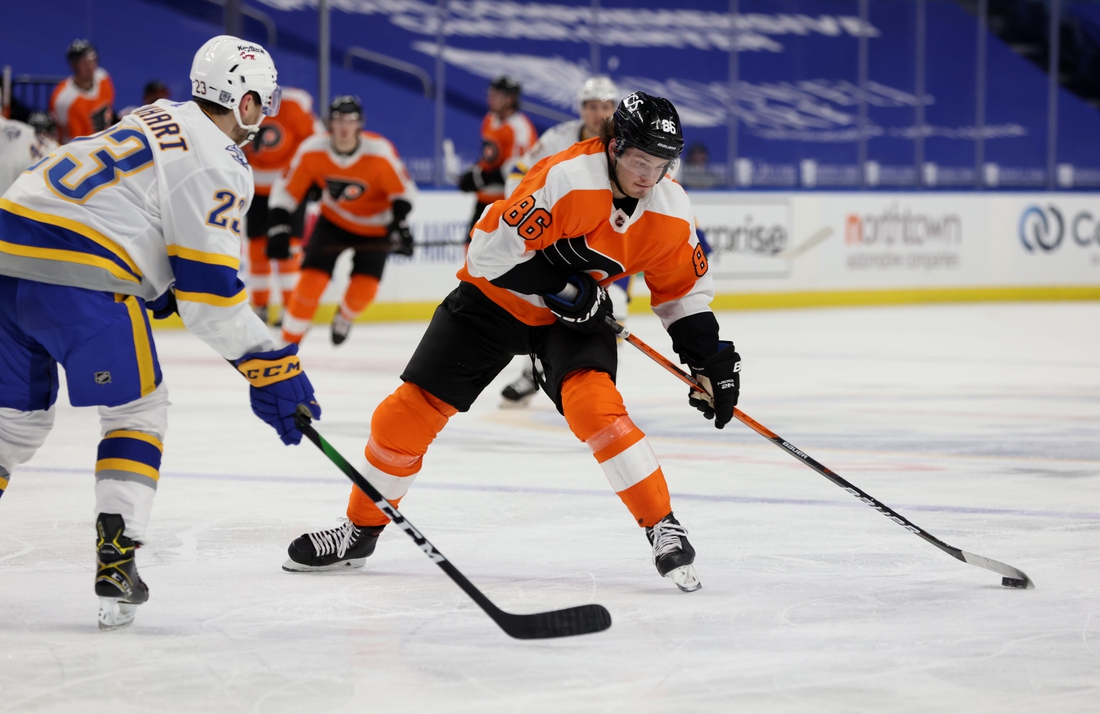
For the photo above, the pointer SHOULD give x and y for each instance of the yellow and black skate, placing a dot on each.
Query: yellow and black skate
(117, 583)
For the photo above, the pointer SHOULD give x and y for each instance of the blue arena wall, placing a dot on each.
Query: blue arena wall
(801, 117)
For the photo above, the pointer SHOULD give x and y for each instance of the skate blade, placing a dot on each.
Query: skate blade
(114, 615)
(292, 567)
(685, 578)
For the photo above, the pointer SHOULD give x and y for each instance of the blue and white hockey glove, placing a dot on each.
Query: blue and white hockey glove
(721, 375)
(278, 386)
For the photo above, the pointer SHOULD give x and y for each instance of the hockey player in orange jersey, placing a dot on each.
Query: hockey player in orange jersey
(83, 103)
(506, 135)
(366, 196)
(534, 282)
(269, 153)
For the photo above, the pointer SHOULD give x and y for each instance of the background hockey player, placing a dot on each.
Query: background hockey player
(533, 281)
(83, 103)
(147, 211)
(20, 146)
(366, 196)
(269, 153)
(506, 133)
(595, 102)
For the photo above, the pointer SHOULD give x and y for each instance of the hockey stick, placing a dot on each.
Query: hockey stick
(1013, 578)
(571, 621)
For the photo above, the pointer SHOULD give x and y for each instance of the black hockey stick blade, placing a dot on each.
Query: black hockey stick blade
(580, 620)
(1012, 577)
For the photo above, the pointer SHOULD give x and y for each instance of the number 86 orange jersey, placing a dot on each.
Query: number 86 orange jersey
(563, 218)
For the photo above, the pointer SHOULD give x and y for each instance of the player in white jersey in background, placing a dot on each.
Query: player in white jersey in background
(20, 146)
(596, 101)
(145, 214)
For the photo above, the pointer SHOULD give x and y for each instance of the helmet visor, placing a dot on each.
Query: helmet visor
(272, 102)
(646, 166)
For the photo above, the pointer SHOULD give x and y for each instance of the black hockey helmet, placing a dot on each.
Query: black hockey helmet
(79, 48)
(506, 85)
(650, 124)
(346, 104)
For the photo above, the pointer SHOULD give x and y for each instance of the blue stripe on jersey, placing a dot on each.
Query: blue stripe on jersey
(130, 449)
(193, 276)
(25, 236)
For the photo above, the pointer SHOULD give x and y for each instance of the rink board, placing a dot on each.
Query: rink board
(806, 249)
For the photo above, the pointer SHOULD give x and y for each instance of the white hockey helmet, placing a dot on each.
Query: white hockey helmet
(226, 68)
(602, 89)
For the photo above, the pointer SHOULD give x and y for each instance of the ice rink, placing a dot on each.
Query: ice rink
(980, 423)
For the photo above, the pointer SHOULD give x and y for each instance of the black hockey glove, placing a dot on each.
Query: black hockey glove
(164, 306)
(278, 235)
(721, 375)
(471, 180)
(589, 309)
(401, 238)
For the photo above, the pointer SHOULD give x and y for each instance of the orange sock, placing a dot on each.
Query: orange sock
(303, 303)
(595, 412)
(259, 271)
(402, 428)
(359, 295)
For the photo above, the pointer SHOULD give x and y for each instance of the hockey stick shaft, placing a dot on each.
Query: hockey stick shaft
(1013, 577)
(557, 623)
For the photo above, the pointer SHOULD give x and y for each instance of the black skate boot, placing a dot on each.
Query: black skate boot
(672, 554)
(261, 312)
(117, 583)
(519, 392)
(346, 546)
(341, 328)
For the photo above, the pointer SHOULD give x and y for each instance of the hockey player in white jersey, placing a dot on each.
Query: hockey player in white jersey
(20, 146)
(596, 101)
(143, 215)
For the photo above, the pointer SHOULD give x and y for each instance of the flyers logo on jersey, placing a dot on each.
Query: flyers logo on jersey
(489, 152)
(344, 190)
(269, 136)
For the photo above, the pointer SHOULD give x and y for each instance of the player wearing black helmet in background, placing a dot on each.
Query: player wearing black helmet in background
(533, 282)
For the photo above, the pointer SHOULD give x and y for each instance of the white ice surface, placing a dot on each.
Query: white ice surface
(980, 423)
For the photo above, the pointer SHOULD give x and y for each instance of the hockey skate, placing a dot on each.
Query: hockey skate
(261, 312)
(519, 393)
(672, 554)
(346, 546)
(117, 583)
(341, 327)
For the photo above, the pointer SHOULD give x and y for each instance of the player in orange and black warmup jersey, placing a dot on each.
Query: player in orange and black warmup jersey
(366, 195)
(269, 154)
(506, 134)
(84, 103)
(534, 282)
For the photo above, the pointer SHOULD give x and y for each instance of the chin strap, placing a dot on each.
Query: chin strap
(252, 129)
(615, 176)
